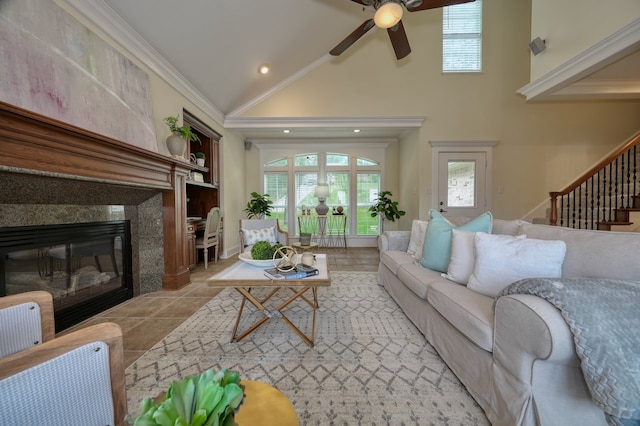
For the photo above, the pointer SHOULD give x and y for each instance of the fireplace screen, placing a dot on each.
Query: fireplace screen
(85, 266)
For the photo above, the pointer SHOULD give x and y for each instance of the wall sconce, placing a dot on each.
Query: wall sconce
(537, 45)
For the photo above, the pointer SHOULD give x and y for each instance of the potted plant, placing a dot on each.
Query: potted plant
(305, 238)
(180, 135)
(200, 158)
(385, 208)
(258, 206)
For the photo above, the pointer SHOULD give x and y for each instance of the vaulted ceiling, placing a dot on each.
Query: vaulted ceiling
(217, 46)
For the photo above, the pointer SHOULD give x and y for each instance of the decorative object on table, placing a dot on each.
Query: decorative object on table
(339, 210)
(209, 398)
(258, 206)
(308, 258)
(197, 177)
(200, 158)
(385, 208)
(299, 272)
(284, 259)
(322, 192)
(264, 263)
(264, 250)
(305, 238)
(303, 208)
(180, 135)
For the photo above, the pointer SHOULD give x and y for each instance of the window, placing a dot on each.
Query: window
(275, 184)
(462, 37)
(354, 183)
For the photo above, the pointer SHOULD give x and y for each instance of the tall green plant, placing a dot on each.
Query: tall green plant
(258, 206)
(385, 207)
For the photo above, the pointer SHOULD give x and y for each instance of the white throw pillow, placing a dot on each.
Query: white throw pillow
(462, 256)
(503, 259)
(252, 236)
(418, 229)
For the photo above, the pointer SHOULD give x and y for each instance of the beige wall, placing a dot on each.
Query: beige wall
(542, 146)
(572, 26)
(167, 101)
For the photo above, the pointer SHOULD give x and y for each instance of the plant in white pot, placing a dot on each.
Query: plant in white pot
(180, 135)
(200, 158)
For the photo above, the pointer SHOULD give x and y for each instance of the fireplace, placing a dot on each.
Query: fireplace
(85, 266)
(57, 176)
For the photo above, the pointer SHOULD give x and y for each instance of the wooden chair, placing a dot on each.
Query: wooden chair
(211, 235)
(280, 236)
(75, 379)
(26, 319)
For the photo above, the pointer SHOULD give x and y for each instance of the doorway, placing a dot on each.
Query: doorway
(462, 178)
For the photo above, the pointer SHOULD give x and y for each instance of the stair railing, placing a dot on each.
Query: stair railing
(595, 200)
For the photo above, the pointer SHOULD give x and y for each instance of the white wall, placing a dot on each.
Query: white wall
(542, 146)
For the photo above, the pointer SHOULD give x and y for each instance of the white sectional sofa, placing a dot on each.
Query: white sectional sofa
(516, 354)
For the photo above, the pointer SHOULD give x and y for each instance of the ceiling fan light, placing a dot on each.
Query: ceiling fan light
(388, 15)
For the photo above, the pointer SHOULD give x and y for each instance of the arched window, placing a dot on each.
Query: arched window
(353, 176)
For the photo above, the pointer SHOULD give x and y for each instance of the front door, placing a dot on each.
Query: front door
(462, 183)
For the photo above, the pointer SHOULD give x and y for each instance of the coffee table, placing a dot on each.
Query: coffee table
(242, 276)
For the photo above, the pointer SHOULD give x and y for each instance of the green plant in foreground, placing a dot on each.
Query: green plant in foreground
(263, 250)
(205, 399)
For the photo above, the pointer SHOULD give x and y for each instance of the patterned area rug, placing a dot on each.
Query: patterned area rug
(369, 365)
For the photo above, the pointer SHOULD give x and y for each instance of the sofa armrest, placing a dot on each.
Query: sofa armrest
(528, 328)
(394, 240)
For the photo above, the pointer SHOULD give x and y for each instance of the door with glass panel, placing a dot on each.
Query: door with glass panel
(461, 183)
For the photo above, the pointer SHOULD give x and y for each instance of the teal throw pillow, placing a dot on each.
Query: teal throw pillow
(437, 241)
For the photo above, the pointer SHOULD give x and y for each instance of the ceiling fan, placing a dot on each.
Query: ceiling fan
(389, 15)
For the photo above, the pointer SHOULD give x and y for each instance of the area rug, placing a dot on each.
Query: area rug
(369, 364)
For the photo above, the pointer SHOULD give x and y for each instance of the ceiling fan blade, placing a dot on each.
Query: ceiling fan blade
(399, 40)
(434, 4)
(352, 38)
(364, 2)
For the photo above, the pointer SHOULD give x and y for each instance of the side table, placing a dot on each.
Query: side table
(313, 246)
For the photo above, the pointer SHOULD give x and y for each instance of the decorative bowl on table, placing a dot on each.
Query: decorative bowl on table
(246, 257)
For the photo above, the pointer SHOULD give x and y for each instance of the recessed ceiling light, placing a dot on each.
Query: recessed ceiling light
(286, 131)
(263, 69)
(356, 130)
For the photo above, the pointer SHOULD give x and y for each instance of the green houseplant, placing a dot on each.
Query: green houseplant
(258, 206)
(180, 135)
(386, 208)
(200, 158)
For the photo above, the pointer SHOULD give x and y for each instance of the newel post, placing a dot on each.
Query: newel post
(553, 215)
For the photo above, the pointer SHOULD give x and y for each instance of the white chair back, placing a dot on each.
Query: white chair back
(19, 328)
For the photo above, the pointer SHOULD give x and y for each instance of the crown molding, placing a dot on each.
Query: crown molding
(325, 143)
(557, 84)
(108, 21)
(401, 122)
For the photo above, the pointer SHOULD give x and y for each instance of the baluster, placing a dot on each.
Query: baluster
(610, 195)
(562, 210)
(627, 187)
(573, 211)
(635, 168)
(598, 198)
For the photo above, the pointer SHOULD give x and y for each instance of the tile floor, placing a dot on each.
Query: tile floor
(146, 319)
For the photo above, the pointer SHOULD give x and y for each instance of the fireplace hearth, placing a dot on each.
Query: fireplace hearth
(85, 266)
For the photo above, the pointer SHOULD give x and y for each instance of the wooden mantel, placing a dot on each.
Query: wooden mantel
(33, 144)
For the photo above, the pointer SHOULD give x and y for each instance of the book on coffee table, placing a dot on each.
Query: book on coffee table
(300, 271)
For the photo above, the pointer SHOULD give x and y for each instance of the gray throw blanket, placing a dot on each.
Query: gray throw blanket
(604, 317)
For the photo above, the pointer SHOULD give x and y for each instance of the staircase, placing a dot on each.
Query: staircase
(603, 197)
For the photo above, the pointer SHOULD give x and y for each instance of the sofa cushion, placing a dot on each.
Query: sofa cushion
(503, 259)
(469, 312)
(418, 229)
(417, 278)
(393, 259)
(594, 254)
(437, 241)
(506, 227)
(462, 256)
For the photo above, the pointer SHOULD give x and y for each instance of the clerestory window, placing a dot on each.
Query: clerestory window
(462, 37)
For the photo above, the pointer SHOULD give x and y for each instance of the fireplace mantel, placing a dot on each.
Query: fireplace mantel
(33, 146)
